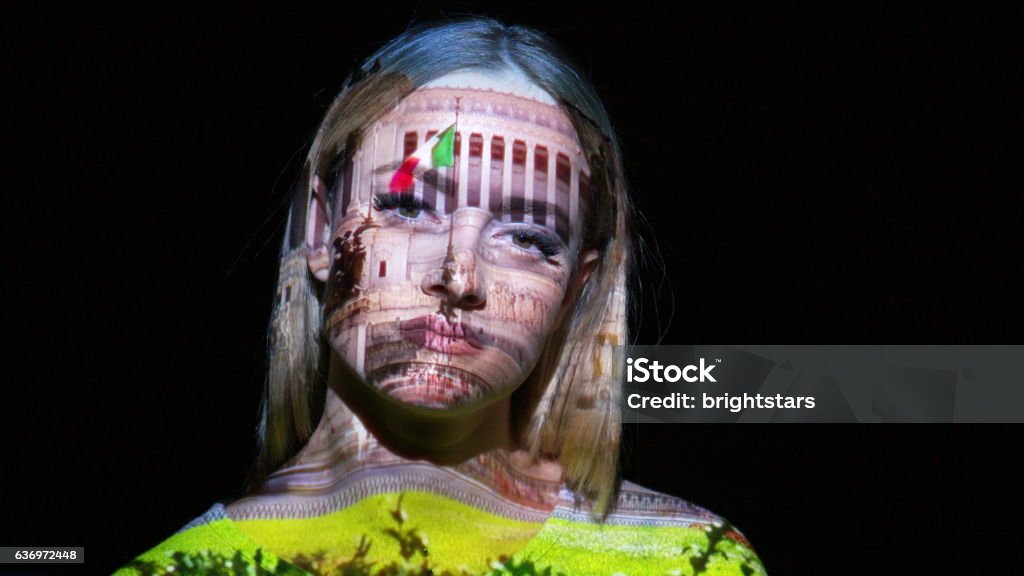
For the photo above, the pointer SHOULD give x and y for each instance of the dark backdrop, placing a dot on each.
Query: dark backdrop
(809, 178)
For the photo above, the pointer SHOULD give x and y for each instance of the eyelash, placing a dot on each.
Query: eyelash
(395, 202)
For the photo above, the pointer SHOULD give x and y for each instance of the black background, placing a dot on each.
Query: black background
(818, 178)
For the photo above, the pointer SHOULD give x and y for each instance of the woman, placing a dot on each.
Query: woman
(442, 395)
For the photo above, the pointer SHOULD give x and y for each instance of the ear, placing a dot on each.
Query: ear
(317, 221)
(587, 264)
(588, 261)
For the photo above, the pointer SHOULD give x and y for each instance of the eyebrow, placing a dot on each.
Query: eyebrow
(444, 185)
(542, 209)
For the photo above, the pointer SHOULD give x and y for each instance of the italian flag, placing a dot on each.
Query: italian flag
(437, 151)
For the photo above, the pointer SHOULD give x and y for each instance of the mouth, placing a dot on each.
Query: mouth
(435, 332)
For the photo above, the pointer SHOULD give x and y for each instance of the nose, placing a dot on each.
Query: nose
(458, 281)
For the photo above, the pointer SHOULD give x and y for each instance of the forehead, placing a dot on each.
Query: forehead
(515, 151)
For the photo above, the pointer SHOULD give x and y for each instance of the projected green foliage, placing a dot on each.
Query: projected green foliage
(712, 553)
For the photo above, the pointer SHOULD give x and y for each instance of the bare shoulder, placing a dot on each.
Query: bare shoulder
(636, 501)
(641, 506)
(660, 533)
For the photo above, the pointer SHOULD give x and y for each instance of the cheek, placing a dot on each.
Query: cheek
(351, 245)
(370, 272)
(524, 300)
(523, 303)
(348, 260)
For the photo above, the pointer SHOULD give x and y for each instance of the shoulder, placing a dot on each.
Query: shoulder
(210, 544)
(662, 533)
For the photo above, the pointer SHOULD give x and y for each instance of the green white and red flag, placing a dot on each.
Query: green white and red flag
(436, 152)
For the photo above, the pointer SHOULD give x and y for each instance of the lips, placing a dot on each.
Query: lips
(435, 332)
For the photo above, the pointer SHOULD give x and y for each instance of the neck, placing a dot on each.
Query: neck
(349, 456)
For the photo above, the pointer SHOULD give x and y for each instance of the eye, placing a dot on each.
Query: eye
(522, 239)
(535, 241)
(409, 211)
(402, 205)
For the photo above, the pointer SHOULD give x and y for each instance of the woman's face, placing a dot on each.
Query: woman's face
(447, 272)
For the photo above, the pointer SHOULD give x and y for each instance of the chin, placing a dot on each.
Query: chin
(429, 385)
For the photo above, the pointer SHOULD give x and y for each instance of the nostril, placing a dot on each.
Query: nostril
(471, 300)
(438, 291)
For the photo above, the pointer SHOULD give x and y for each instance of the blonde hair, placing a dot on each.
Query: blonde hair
(569, 408)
